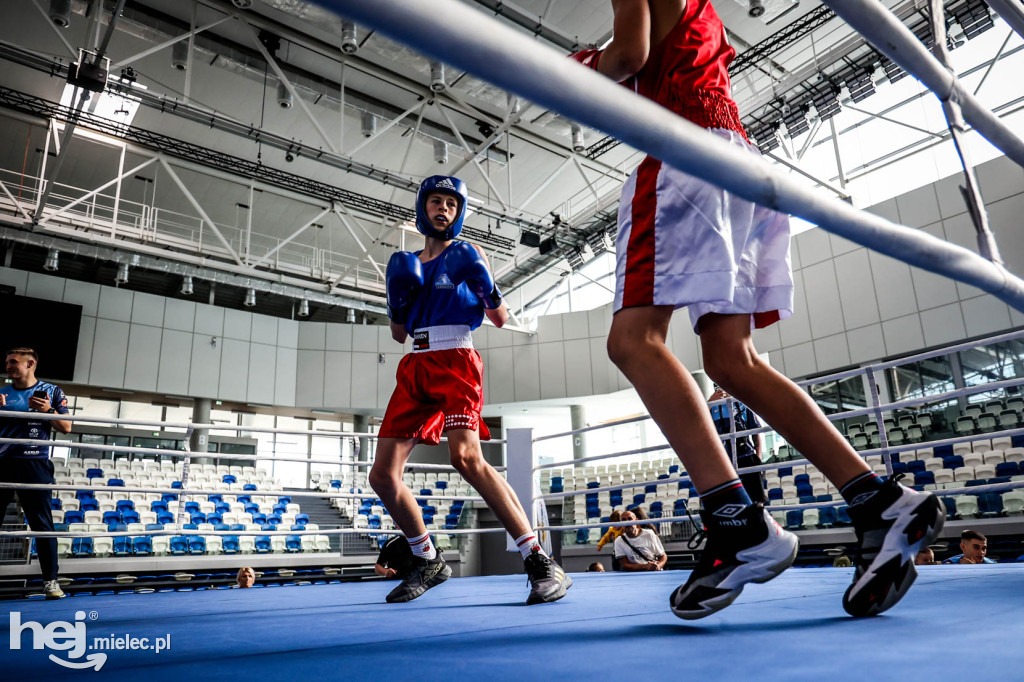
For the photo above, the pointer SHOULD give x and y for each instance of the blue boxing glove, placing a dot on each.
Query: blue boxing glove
(465, 264)
(404, 277)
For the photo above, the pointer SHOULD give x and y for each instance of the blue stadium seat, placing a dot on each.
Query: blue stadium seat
(263, 544)
(674, 469)
(268, 526)
(176, 485)
(274, 519)
(169, 497)
(244, 499)
(115, 482)
(916, 465)
(154, 526)
(823, 498)
(157, 506)
(302, 519)
(81, 547)
(1007, 469)
(122, 546)
(286, 499)
(794, 519)
(582, 536)
(228, 478)
(259, 518)
(249, 486)
(785, 471)
(639, 498)
(88, 504)
(93, 473)
(280, 508)
(843, 516)
(924, 478)
(178, 545)
(802, 478)
(74, 516)
(804, 490)
(215, 519)
(952, 462)
(191, 506)
(196, 544)
(142, 545)
(55, 503)
(293, 543)
(125, 505)
(252, 508)
(230, 544)
(111, 517)
(826, 517)
(198, 517)
(990, 504)
(222, 508)
(775, 494)
(165, 517)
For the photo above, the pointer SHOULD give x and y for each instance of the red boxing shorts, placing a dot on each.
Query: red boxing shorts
(687, 243)
(437, 391)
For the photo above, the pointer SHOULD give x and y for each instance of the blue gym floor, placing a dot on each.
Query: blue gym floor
(959, 622)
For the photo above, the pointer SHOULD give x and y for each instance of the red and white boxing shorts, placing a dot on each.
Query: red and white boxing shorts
(440, 387)
(687, 243)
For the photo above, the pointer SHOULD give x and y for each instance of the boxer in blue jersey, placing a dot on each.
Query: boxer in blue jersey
(437, 296)
(31, 463)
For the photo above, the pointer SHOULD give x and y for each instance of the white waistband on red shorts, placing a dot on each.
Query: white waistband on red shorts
(441, 337)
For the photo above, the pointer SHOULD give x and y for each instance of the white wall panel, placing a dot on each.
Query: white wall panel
(578, 379)
(799, 360)
(309, 384)
(549, 328)
(180, 315)
(501, 378)
(237, 324)
(46, 286)
(339, 337)
(85, 294)
(143, 359)
(364, 380)
(312, 336)
(264, 330)
(385, 342)
(856, 296)
(575, 326)
(866, 343)
(552, 370)
(985, 315)
(386, 380)
(337, 378)
(894, 287)
(364, 338)
(525, 373)
(823, 305)
(234, 370)
(832, 351)
(148, 309)
(918, 207)
(287, 333)
(999, 178)
(260, 381)
(83, 355)
(209, 320)
(903, 335)
(175, 356)
(284, 376)
(815, 247)
(19, 280)
(943, 325)
(115, 304)
(204, 375)
(109, 351)
(796, 329)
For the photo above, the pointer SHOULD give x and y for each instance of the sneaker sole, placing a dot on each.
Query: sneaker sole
(566, 584)
(892, 572)
(441, 576)
(761, 564)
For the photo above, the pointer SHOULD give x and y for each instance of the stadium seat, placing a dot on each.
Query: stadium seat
(967, 506)
(81, 547)
(178, 545)
(122, 546)
(142, 546)
(794, 519)
(826, 517)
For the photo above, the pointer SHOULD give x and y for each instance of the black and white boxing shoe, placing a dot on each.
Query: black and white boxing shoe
(892, 527)
(548, 582)
(426, 573)
(754, 550)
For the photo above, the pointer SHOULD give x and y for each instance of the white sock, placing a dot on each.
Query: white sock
(527, 542)
(422, 547)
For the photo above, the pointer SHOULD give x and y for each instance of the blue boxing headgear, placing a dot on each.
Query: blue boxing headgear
(446, 185)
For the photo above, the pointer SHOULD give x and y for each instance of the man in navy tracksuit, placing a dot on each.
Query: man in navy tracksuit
(31, 463)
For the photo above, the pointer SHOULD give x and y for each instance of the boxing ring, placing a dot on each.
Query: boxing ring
(791, 628)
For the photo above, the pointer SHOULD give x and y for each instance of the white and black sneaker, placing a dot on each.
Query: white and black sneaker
(755, 550)
(51, 588)
(426, 573)
(548, 582)
(892, 527)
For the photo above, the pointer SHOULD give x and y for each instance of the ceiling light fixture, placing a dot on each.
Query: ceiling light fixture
(50, 265)
(250, 298)
(122, 274)
(349, 42)
(186, 286)
(303, 308)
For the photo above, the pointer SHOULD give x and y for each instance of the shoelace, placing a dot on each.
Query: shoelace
(538, 567)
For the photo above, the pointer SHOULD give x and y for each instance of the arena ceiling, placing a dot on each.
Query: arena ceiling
(272, 147)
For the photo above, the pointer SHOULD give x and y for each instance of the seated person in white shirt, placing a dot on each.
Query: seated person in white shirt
(639, 549)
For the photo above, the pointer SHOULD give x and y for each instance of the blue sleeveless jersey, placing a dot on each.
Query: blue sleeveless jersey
(17, 400)
(441, 302)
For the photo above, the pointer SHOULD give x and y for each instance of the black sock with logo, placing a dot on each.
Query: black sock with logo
(724, 504)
